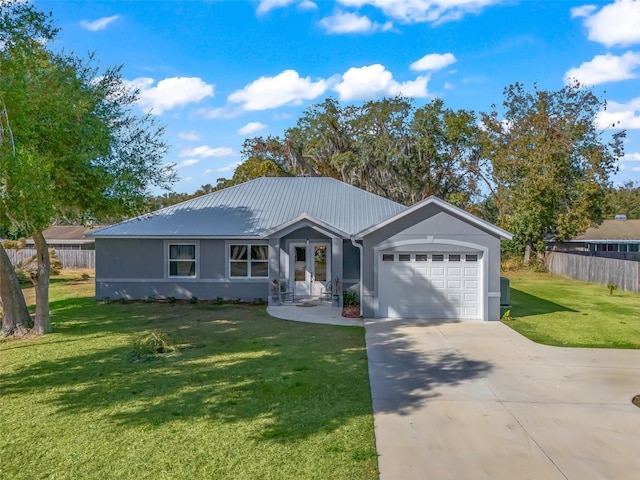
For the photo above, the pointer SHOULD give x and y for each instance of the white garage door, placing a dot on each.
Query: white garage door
(429, 285)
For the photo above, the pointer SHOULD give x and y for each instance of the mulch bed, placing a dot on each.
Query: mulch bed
(351, 312)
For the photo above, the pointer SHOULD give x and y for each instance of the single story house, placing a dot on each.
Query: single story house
(430, 260)
(67, 237)
(614, 238)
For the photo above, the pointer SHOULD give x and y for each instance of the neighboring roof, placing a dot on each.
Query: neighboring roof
(452, 209)
(612, 230)
(255, 207)
(67, 234)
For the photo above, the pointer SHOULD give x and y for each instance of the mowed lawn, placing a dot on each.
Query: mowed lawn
(246, 396)
(565, 312)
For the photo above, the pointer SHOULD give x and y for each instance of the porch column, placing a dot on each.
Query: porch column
(336, 265)
(274, 270)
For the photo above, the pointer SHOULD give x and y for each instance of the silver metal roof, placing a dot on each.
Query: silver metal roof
(254, 207)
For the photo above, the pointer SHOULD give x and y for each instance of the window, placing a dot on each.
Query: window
(421, 257)
(633, 247)
(249, 261)
(404, 257)
(182, 260)
(437, 258)
(471, 258)
(387, 257)
(454, 258)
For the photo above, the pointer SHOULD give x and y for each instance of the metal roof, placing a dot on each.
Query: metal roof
(254, 207)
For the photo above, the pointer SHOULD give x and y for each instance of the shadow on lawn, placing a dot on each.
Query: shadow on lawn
(294, 379)
(524, 304)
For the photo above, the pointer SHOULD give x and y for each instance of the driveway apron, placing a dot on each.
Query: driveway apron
(476, 400)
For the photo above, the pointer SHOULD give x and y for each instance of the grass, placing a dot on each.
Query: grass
(244, 396)
(564, 312)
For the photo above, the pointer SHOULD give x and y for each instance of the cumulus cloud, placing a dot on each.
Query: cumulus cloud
(620, 115)
(614, 24)
(251, 127)
(375, 80)
(190, 136)
(99, 24)
(205, 151)
(605, 68)
(187, 163)
(347, 22)
(170, 92)
(267, 5)
(272, 92)
(229, 167)
(419, 11)
(433, 61)
(631, 157)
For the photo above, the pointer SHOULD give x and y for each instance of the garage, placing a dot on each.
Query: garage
(423, 284)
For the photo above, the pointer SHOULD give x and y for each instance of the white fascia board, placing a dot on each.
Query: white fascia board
(184, 237)
(446, 206)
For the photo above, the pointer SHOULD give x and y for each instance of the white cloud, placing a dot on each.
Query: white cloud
(418, 11)
(171, 92)
(346, 22)
(374, 81)
(251, 127)
(631, 157)
(229, 167)
(267, 5)
(205, 151)
(208, 170)
(99, 24)
(614, 24)
(583, 11)
(605, 68)
(620, 115)
(272, 92)
(433, 61)
(188, 163)
(190, 136)
(448, 86)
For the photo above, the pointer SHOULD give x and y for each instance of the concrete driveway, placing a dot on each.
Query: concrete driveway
(474, 400)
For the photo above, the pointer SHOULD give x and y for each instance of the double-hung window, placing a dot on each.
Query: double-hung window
(182, 260)
(248, 261)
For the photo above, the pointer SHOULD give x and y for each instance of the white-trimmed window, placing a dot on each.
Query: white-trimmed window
(248, 261)
(182, 260)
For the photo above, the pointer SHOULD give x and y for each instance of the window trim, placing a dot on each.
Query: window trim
(168, 260)
(231, 243)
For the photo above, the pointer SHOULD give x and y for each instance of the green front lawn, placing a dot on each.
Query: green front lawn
(246, 396)
(565, 312)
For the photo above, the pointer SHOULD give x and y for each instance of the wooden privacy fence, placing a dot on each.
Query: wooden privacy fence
(623, 273)
(68, 258)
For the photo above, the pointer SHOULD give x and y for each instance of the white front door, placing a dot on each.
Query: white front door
(310, 268)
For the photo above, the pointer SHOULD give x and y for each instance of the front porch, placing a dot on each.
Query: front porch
(313, 311)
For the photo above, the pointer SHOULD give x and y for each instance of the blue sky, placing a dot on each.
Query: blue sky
(217, 72)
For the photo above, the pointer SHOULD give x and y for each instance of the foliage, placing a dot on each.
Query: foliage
(612, 287)
(566, 312)
(154, 343)
(350, 299)
(550, 166)
(506, 316)
(623, 200)
(18, 244)
(249, 396)
(514, 262)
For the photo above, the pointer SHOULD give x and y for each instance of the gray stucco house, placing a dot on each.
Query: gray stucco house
(430, 260)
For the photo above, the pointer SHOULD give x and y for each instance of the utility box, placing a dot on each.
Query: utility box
(505, 292)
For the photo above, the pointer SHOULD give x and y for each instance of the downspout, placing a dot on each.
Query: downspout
(359, 247)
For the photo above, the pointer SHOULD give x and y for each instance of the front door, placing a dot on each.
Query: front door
(310, 268)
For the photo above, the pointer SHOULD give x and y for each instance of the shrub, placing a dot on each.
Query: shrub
(612, 287)
(350, 299)
(193, 300)
(153, 344)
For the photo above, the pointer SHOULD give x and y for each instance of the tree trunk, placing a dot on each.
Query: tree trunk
(15, 315)
(527, 254)
(40, 280)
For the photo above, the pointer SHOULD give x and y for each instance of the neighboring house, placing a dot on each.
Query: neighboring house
(67, 237)
(431, 260)
(618, 238)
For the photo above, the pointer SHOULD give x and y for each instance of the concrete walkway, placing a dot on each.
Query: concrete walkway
(475, 400)
(313, 312)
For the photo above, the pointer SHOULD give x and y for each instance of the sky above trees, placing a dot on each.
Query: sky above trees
(216, 73)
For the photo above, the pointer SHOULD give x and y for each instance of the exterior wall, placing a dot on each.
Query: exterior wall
(431, 229)
(350, 267)
(137, 269)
